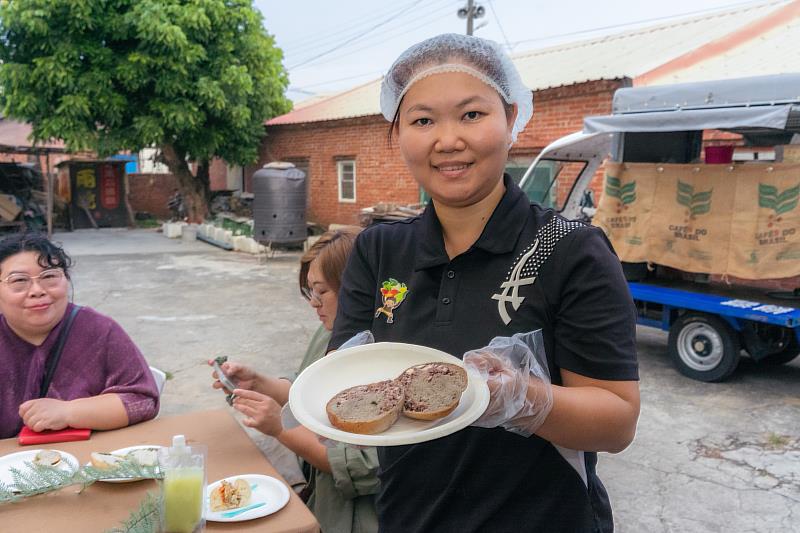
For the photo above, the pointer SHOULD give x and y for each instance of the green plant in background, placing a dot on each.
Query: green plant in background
(698, 203)
(197, 79)
(148, 223)
(775, 440)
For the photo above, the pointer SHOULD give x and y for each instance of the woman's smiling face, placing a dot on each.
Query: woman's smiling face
(34, 312)
(454, 134)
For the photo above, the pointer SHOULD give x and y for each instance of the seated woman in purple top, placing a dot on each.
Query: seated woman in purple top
(101, 380)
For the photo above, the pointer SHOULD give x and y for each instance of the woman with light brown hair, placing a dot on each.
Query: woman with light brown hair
(342, 480)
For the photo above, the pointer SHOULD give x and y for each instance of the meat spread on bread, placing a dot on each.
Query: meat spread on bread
(426, 391)
(366, 409)
(432, 390)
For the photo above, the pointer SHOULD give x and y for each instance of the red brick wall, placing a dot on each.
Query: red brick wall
(218, 175)
(381, 175)
(150, 193)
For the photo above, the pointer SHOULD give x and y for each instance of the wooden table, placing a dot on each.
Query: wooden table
(106, 505)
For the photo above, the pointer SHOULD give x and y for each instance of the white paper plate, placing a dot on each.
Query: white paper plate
(266, 489)
(359, 365)
(69, 463)
(122, 452)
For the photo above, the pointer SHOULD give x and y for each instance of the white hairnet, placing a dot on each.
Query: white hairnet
(452, 52)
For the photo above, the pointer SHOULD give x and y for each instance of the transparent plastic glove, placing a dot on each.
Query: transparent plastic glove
(365, 337)
(515, 369)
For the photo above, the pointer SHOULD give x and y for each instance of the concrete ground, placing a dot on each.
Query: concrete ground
(707, 458)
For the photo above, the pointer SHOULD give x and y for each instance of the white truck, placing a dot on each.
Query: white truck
(709, 323)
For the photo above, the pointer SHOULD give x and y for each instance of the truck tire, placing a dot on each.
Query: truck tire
(703, 347)
(786, 355)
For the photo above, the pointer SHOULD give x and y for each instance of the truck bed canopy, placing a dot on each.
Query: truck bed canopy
(743, 104)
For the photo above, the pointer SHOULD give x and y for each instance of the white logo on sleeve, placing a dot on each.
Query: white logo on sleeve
(515, 281)
(528, 263)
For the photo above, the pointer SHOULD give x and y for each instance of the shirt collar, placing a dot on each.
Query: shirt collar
(499, 236)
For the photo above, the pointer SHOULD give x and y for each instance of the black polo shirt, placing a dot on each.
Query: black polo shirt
(570, 284)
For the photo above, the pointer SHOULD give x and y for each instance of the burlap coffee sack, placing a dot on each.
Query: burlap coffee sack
(765, 229)
(624, 209)
(690, 227)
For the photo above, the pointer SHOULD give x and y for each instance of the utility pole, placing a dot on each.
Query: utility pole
(471, 12)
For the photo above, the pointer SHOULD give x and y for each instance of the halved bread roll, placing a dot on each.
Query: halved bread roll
(47, 458)
(105, 461)
(432, 390)
(366, 409)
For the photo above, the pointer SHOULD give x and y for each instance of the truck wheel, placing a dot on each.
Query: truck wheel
(703, 347)
(786, 355)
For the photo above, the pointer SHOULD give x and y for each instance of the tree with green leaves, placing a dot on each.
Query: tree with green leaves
(196, 78)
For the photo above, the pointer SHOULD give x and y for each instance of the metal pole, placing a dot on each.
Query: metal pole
(470, 12)
(50, 188)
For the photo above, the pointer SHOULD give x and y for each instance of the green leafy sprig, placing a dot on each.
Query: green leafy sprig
(34, 479)
(146, 519)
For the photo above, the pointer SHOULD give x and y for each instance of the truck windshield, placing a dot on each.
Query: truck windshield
(551, 181)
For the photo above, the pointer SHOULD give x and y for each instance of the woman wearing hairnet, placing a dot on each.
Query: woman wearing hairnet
(482, 263)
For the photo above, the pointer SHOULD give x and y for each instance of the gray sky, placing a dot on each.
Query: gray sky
(332, 45)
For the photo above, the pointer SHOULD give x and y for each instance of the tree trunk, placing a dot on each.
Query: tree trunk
(195, 189)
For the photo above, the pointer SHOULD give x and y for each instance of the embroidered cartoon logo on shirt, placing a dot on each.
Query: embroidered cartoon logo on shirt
(393, 293)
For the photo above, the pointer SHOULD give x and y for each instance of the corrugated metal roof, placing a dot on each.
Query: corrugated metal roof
(775, 52)
(622, 55)
(357, 102)
(627, 55)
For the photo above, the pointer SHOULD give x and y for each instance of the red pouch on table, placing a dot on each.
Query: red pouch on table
(28, 436)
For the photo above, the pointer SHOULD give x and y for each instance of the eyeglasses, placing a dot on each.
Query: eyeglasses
(311, 296)
(48, 279)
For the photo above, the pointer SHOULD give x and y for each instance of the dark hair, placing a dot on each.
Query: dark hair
(332, 249)
(50, 254)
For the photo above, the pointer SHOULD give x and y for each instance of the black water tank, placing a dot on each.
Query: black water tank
(279, 204)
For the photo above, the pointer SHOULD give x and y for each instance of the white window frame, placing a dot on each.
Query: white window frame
(340, 179)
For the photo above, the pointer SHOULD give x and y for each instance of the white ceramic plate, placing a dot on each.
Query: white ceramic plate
(122, 452)
(265, 489)
(69, 463)
(359, 365)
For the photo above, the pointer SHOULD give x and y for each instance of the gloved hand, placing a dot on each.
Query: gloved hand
(515, 370)
(364, 337)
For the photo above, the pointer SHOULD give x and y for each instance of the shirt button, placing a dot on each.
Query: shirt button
(451, 274)
(446, 300)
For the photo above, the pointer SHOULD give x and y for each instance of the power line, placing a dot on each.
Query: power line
(328, 82)
(349, 29)
(401, 21)
(355, 38)
(497, 19)
(394, 33)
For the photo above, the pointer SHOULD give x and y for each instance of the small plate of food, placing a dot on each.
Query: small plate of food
(144, 454)
(245, 497)
(387, 394)
(61, 460)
